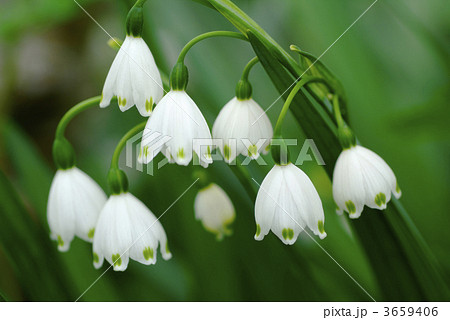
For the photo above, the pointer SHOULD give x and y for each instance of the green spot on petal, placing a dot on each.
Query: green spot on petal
(180, 153)
(91, 233)
(148, 253)
(321, 226)
(258, 230)
(226, 152)
(351, 208)
(124, 102)
(290, 234)
(96, 259)
(252, 150)
(380, 199)
(167, 247)
(60, 242)
(116, 259)
(397, 188)
(149, 105)
(146, 151)
(287, 233)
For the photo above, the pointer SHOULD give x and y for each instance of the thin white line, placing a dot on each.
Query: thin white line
(173, 203)
(323, 53)
(96, 22)
(362, 288)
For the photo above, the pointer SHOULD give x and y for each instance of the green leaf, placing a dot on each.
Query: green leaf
(33, 175)
(402, 262)
(29, 250)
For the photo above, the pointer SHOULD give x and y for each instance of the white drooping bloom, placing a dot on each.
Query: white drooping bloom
(361, 177)
(178, 129)
(244, 128)
(127, 229)
(286, 203)
(215, 210)
(73, 207)
(134, 78)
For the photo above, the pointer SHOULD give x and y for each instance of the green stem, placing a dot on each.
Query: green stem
(212, 34)
(337, 112)
(78, 108)
(248, 68)
(292, 94)
(122, 143)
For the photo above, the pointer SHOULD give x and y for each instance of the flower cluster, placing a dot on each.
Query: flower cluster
(122, 227)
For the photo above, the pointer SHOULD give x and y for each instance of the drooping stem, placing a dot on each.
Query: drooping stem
(212, 34)
(116, 156)
(337, 112)
(248, 68)
(304, 81)
(78, 108)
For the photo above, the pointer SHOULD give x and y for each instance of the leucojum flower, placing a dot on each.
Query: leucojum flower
(361, 177)
(127, 229)
(242, 126)
(133, 77)
(75, 200)
(177, 127)
(287, 203)
(215, 210)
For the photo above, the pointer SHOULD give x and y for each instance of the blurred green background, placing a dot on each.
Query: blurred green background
(393, 63)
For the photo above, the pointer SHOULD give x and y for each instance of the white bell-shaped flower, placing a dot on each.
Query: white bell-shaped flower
(286, 203)
(127, 229)
(361, 177)
(244, 128)
(73, 207)
(178, 129)
(215, 210)
(134, 78)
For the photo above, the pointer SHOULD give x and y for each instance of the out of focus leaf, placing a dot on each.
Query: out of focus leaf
(392, 244)
(29, 250)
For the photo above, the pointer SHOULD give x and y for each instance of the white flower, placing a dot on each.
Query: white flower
(182, 130)
(286, 203)
(361, 178)
(127, 229)
(241, 124)
(134, 78)
(215, 210)
(73, 207)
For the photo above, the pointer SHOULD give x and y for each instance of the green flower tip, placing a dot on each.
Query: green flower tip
(167, 248)
(117, 260)
(397, 188)
(122, 101)
(258, 230)
(180, 153)
(91, 233)
(226, 152)
(60, 242)
(95, 257)
(252, 151)
(149, 105)
(351, 208)
(148, 253)
(321, 226)
(380, 199)
(287, 233)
